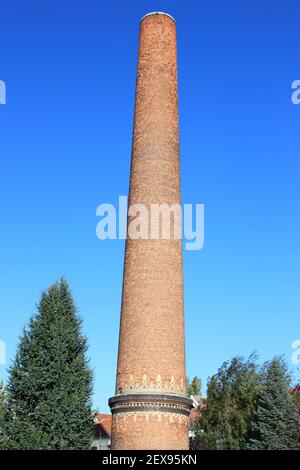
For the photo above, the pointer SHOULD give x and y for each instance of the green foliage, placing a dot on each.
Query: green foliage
(193, 387)
(231, 399)
(2, 395)
(2, 409)
(276, 423)
(50, 382)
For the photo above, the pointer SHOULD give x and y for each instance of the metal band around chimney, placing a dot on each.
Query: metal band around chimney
(150, 402)
(158, 13)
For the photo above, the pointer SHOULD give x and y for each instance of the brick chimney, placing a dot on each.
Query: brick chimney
(150, 409)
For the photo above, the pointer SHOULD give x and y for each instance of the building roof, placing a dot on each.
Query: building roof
(104, 421)
(199, 405)
(296, 392)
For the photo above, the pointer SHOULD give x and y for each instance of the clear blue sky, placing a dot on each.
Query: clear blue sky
(65, 144)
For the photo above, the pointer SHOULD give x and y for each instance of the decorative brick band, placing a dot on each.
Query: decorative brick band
(136, 385)
(141, 402)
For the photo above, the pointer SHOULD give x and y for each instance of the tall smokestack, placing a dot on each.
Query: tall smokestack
(150, 409)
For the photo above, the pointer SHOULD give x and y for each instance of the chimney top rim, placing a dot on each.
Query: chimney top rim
(158, 13)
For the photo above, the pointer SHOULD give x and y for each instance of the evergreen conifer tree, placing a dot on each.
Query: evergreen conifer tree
(276, 423)
(2, 404)
(50, 382)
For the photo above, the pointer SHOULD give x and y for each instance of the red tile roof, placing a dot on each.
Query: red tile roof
(199, 406)
(104, 420)
(295, 391)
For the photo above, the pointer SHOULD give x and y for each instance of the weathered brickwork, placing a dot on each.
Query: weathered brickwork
(148, 430)
(151, 355)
